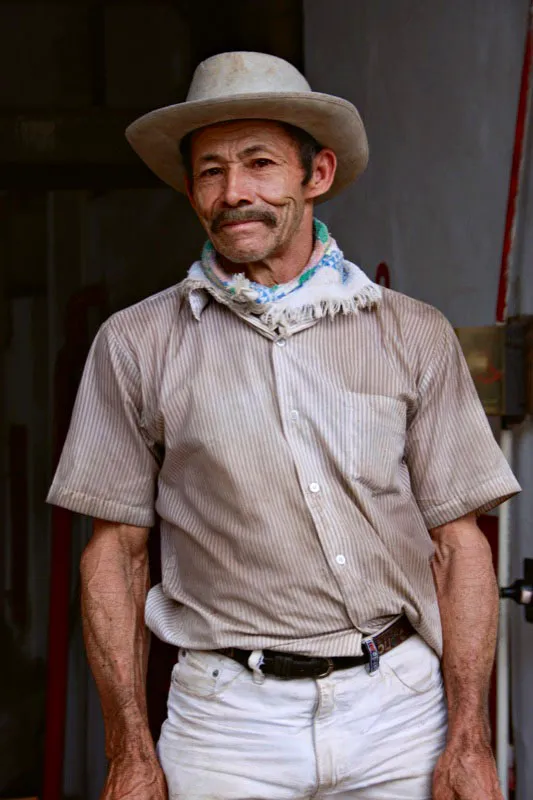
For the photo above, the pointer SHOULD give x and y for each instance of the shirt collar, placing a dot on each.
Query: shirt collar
(198, 299)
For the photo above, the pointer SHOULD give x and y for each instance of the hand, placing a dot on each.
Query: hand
(466, 771)
(136, 777)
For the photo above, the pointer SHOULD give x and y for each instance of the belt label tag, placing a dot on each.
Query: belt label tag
(370, 649)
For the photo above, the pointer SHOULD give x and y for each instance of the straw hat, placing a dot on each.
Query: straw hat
(244, 85)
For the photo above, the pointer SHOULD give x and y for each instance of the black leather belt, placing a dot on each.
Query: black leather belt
(289, 665)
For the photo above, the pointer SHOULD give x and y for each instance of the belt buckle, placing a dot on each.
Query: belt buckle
(329, 670)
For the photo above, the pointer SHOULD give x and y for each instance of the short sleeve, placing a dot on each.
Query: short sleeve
(455, 464)
(108, 467)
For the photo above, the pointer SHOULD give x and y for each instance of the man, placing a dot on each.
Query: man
(298, 431)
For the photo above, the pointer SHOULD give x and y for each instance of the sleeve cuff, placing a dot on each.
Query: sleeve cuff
(480, 499)
(101, 508)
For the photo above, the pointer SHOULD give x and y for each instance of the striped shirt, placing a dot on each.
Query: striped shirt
(295, 478)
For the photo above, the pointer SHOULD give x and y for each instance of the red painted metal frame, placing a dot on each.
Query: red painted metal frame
(383, 275)
(517, 168)
(69, 367)
(58, 637)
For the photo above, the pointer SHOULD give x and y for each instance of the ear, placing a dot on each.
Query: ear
(324, 168)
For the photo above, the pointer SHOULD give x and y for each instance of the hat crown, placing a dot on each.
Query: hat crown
(229, 74)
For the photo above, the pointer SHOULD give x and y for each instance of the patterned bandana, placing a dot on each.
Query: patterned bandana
(327, 285)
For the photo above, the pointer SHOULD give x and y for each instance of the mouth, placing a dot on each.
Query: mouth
(238, 225)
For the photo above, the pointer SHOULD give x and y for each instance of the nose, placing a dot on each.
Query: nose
(237, 190)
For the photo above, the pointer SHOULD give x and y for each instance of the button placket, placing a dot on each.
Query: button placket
(339, 563)
(312, 481)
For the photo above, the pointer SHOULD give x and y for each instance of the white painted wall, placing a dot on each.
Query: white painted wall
(437, 85)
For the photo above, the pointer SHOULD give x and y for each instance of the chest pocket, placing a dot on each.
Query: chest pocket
(378, 444)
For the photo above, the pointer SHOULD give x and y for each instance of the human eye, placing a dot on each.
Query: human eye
(260, 163)
(210, 172)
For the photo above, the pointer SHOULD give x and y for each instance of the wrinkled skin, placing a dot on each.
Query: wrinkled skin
(463, 573)
(131, 777)
(247, 190)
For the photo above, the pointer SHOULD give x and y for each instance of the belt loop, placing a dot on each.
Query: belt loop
(255, 662)
(370, 649)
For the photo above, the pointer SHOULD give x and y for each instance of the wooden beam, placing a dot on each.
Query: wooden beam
(91, 136)
(89, 3)
(98, 177)
(70, 150)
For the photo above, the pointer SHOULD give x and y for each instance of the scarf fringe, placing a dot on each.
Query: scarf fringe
(367, 297)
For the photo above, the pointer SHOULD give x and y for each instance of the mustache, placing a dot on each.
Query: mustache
(243, 215)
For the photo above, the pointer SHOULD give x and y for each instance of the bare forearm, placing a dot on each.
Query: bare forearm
(114, 584)
(468, 602)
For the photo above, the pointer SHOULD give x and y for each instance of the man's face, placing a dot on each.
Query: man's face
(247, 188)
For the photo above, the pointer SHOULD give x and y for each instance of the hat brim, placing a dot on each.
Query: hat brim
(332, 121)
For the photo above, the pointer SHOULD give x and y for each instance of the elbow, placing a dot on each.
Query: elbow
(460, 535)
(462, 541)
(114, 543)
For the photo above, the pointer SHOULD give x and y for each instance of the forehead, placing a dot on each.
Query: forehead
(241, 134)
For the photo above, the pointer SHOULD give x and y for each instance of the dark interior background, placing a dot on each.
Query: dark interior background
(85, 229)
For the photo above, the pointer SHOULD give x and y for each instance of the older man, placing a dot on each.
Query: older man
(298, 431)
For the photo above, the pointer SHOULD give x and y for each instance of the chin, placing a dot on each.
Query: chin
(242, 256)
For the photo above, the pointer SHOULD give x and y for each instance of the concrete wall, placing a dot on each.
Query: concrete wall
(437, 85)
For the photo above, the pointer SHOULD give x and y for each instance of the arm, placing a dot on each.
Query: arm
(114, 579)
(468, 600)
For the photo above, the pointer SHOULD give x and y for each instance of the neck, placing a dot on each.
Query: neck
(283, 265)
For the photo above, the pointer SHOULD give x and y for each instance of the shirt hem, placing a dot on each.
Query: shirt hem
(479, 500)
(91, 506)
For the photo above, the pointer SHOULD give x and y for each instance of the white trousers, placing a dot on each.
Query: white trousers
(234, 735)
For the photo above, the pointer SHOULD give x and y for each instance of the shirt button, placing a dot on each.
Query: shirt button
(294, 415)
(314, 487)
(281, 342)
(341, 560)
